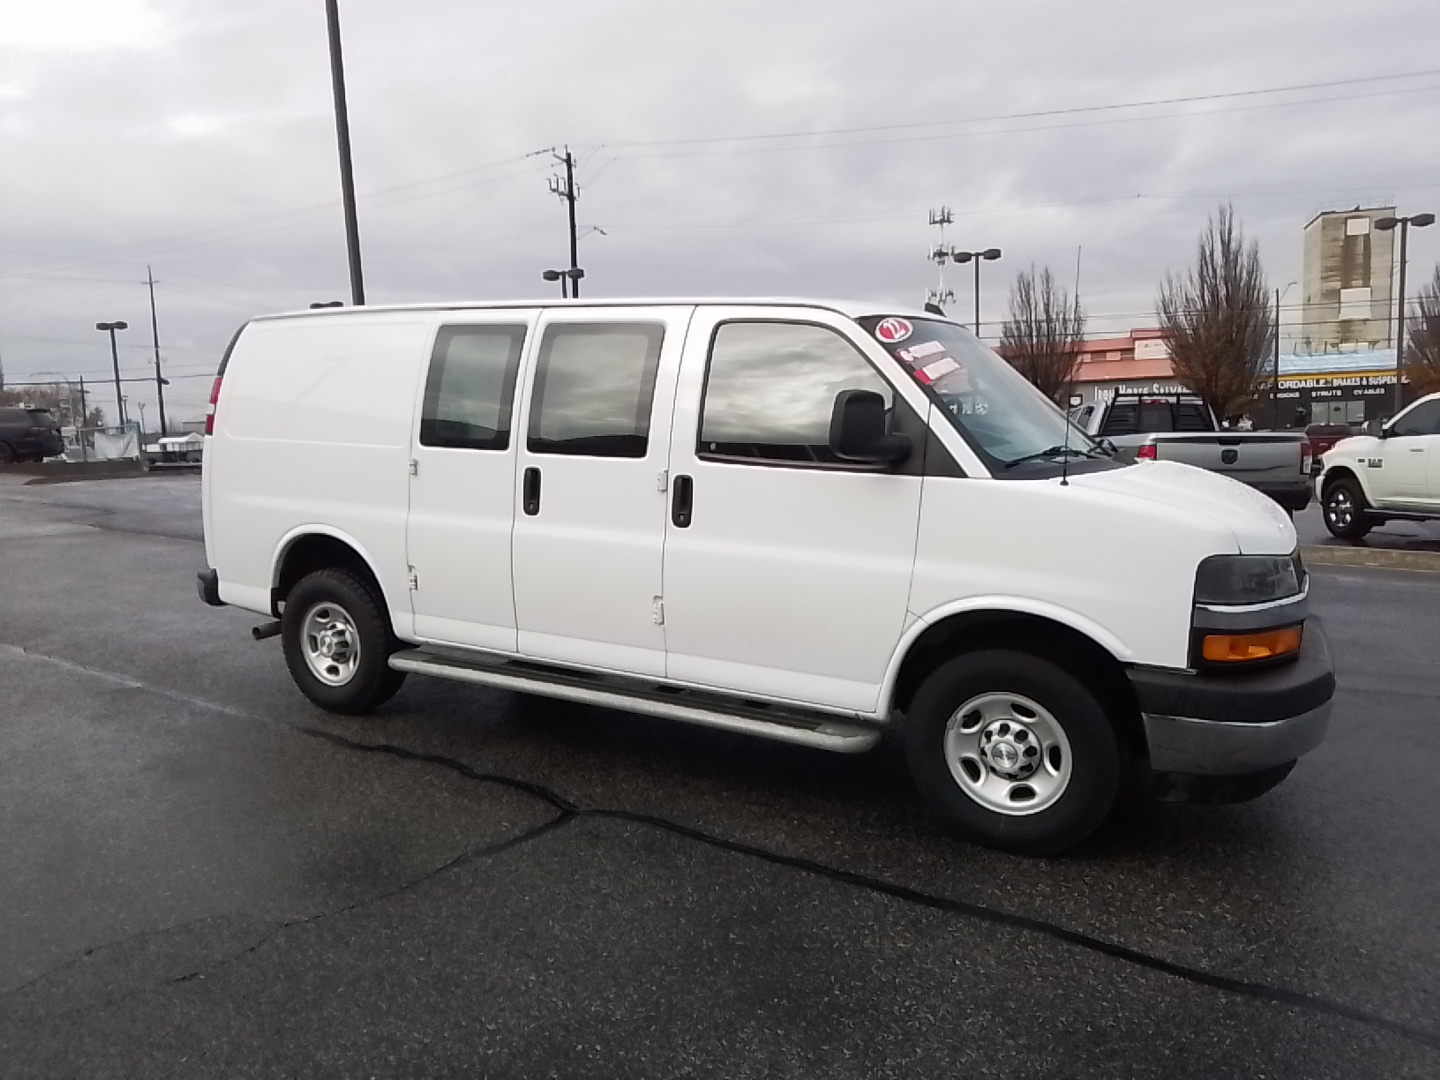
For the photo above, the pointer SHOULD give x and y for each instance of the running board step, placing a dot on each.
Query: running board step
(749, 718)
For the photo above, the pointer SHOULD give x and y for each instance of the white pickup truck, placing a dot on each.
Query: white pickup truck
(1392, 472)
(1181, 427)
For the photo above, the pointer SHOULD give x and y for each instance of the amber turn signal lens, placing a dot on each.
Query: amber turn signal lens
(1227, 648)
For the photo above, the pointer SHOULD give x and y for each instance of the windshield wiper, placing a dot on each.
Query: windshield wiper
(1054, 451)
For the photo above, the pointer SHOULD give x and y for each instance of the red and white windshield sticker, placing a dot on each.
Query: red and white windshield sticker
(892, 331)
(920, 350)
(931, 372)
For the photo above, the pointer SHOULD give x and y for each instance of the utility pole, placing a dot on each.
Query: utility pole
(567, 192)
(155, 337)
(342, 136)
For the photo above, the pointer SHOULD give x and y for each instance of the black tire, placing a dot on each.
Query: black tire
(371, 682)
(1342, 508)
(1081, 801)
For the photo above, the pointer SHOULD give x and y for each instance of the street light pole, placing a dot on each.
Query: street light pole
(342, 137)
(1385, 224)
(1275, 385)
(111, 327)
(989, 255)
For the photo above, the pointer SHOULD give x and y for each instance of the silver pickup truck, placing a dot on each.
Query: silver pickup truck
(1181, 427)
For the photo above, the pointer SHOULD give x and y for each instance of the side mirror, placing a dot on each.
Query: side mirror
(1108, 448)
(857, 430)
(1376, 428)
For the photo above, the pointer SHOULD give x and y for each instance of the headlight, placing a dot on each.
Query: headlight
(1248, 579)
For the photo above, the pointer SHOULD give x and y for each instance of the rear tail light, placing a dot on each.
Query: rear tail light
(210, 412)
(1146, 452)
(1307, 454)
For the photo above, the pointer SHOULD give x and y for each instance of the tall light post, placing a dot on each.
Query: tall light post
(1385, 224)
(111, 327)
(569, 277)
(988, 255)
(342, 138)
(1275, 385)
(142, 418)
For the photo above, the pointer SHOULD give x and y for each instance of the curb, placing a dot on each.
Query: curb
(1375, 558)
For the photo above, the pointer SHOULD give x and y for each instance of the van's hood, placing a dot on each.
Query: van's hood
(1260, 526)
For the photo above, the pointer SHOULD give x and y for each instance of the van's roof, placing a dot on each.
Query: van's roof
(851, 308)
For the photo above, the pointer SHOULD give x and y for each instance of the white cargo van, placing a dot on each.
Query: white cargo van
(794, 519)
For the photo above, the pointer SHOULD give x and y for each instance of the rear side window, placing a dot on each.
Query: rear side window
(594, 386)
(470, 390)
(1123, 419)
(13, 416)
(1156, 416)
(770, 389)
(1191, 416)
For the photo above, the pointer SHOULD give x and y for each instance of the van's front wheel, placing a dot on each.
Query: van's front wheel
(1014, 752)
(338, 643)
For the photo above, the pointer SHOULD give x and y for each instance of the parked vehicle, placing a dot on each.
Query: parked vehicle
(28, 434)
(174, 452)
(1181, 427)
(1322, 437)
(1390, 473)
(794, 520)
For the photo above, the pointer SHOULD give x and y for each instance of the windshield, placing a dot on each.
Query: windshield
(992, 405)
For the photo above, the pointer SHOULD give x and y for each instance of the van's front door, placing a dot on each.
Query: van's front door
(787, 571)
(462, 491)
(590, 498)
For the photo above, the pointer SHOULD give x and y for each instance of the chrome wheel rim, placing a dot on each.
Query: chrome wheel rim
(1008, 753)
(330, 644)
(1340, 508)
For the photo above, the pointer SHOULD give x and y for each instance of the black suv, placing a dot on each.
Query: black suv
(28, 435)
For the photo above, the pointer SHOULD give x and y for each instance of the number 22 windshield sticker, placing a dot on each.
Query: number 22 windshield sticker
(892, 331)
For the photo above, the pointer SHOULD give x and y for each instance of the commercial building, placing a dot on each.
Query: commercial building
(1347, 272)
(1138, 363)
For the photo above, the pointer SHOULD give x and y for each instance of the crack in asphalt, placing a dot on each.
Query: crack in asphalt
(481, 852)
(568, 810)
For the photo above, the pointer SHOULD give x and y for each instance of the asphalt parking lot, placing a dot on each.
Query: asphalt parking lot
(206, 876)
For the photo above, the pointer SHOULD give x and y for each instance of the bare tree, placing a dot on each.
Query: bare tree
(1218, 318)
(1042, 336)
(1422, 339)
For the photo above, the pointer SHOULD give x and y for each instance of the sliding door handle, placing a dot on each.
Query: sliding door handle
(682, 502)
(530, 491)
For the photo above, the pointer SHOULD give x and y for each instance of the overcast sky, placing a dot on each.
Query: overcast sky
(198, 137)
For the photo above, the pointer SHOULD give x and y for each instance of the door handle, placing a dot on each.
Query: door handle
(682, 502)
(530, 491)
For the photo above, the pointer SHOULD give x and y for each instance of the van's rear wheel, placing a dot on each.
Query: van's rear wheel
(338, 642)
(1013, 752)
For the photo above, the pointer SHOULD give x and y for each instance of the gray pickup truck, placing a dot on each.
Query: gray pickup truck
(1181, 427)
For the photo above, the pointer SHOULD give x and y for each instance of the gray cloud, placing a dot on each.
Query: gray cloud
(198, 137)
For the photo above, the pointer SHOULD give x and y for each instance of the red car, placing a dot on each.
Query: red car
(1322, 437)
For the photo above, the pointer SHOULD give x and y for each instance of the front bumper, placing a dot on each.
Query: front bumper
(1292, 496)
(1205, 724)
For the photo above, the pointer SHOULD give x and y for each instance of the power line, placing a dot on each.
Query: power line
(1036, 114)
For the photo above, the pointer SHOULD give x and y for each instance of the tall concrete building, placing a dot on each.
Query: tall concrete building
(1348, 268)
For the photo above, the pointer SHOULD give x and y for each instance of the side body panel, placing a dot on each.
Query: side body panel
(312, 429)
(1067, 553)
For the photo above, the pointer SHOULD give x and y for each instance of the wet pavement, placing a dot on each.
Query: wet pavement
(206, 876)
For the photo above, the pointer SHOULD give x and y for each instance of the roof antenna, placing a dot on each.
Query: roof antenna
(1065, 454)
(932, 308)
